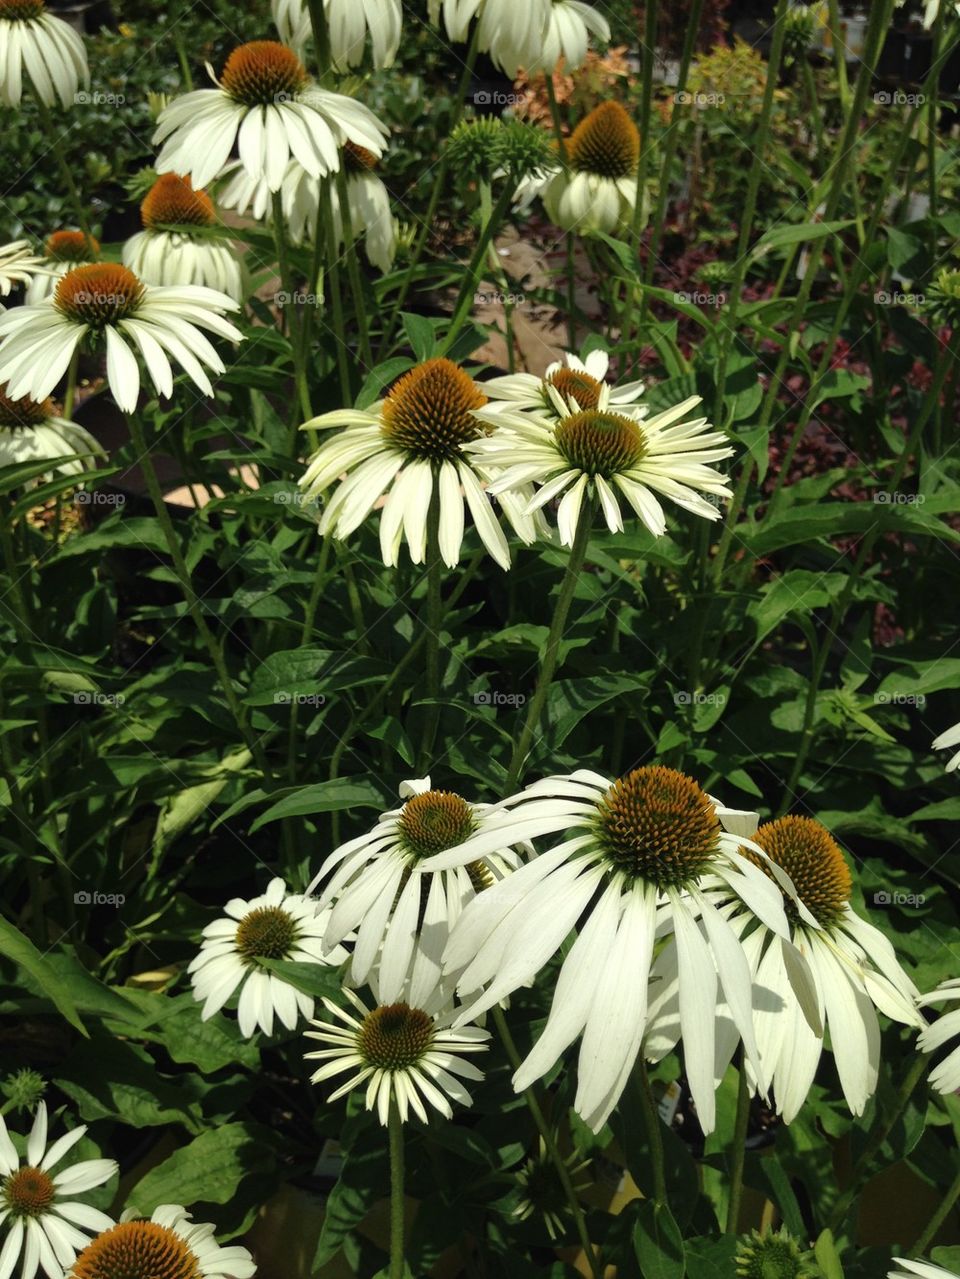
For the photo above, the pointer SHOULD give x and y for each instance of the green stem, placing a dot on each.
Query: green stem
(438, 185)
(881, 1131)
(353, 267)
(336, 298)
(52, 133)
(395, 1131)
(646, 102)
(739, 1151)
(70, 394)
(652, 1118)
(947, 1205)
(301, 405)
(433, 624)
(468, 287)
(190, 596)
(321, 38)
(535, 1106)
(551, 653)
(750, 207)
(555, 117)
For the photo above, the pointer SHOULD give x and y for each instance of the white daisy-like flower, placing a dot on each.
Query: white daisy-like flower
(43, 1220)
(910, 1269)
(404, 1053)
(167, 1245)
(18, 264)
(276, 925)
(603, 455)
(648, 853)
(409, 447)
(46, 48)
(292, 20)
(299, 195)
(579, 381)
(30, 431)
(853, 966)
(106, 303)
(402, 914)
(371, 216)
(947, 741)
(571, 25)
(348, 24)
(945, 1077)
(62, 251)
(597, 191)
(511, 33)
(266, 104)
(178, 257)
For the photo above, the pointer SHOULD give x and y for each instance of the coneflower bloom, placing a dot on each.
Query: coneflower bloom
(18, 264)
(511, 33)
(38, 1206)
(105, 306)
(600, 455)
(854, 968)
(648, 853)
(945, 1076)
(597, 190)
(947, 741)
(577, 381)
(46, 48)
(409, 448)
(266, 104)
(168, 1245)
(30, 430)
(571, 25)
(401, 914)
(404, 1054)
(62, 251)
(160, 256)
(274, 926)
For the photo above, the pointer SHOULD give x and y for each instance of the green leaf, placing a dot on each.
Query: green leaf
(313, 979)
(140, 532)
(14, 945)
(779, 237)
(130, 1091)
(179, 812)
(420, 334)
(825, 1251)
(710, 1258)
(570, 700)
(363, 1180)
(323, 797)
(658, 1243)
(208, 1170)
(378, 379)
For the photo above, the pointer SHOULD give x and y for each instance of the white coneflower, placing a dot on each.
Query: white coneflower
(947, 741)
(911, 1269)
(577, 381)
(571, 25)
(371, 216)
(854, 968)
(107, 304)
(510, 32)
(409, 448)
(299, 194)
(43, 1220)
(46, 48)
(292, 20)
(266, 104)
(30, 431)
(18, 264)
(597, 191)
(178, 257)
(945, 1077)
(169, 1245)
(348, 24)
(402, 914)
(603, 455)
(648, 852)
(404, 1054)
(62, 251)
(276, 925)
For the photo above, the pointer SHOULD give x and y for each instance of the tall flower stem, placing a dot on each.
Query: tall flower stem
(475, 268)
(353, 267)
(739, 1151)
(570, 237)
(395, 1137)
(433, 624)
(53, 136)
(550, 1145)
(651, 1115)
(294, 326)
(70, 394)
(750, 206)
(336, 298)
(646, 103)
(438, 185)
(189, 594)
(551, 652)
(929, 1232)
